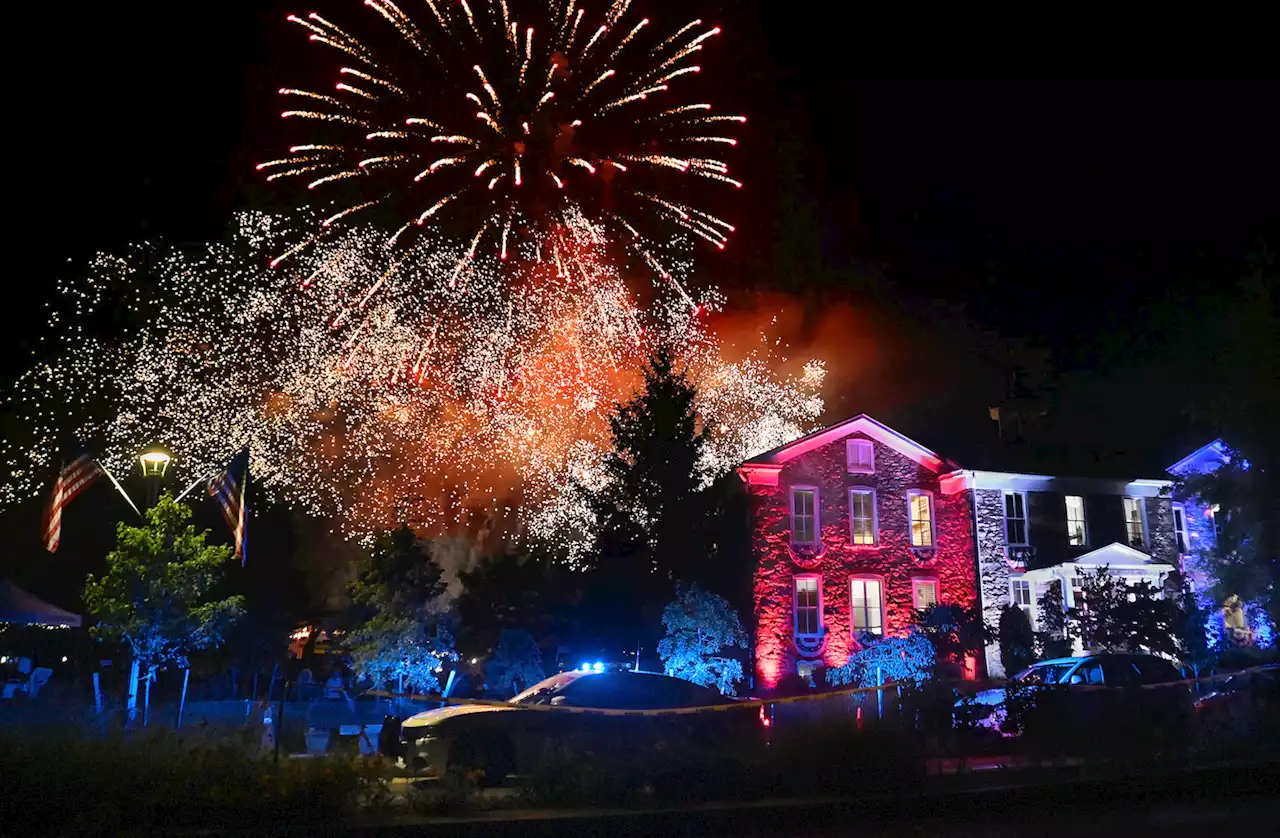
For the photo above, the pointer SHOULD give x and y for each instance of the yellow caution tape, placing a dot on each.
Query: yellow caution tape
(744, 704)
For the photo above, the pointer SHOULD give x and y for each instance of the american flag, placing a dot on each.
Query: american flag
(72, 480)
(230, 493)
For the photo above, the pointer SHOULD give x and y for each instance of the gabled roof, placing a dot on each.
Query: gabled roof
(862, 423)
(1115, 556)
(1205, 458)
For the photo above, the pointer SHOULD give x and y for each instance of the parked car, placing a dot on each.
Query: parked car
(518, 737)
(1105, 671)
(1249, 695)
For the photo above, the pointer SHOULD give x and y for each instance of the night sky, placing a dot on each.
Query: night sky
(967, 227)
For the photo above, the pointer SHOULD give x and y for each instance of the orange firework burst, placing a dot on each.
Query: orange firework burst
(501, 120)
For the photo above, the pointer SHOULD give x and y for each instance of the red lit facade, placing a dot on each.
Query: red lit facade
(854, 527)
(851, 531)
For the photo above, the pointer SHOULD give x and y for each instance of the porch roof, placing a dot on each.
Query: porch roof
(1119, 558)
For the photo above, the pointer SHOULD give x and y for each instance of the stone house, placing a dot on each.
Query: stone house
(855, 526)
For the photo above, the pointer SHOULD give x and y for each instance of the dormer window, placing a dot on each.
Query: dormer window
(860, 456)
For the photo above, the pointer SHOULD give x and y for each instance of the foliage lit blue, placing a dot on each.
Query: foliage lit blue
(701, 628)
(884, 659)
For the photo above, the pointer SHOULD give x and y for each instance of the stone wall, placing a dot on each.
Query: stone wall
(1162, 540)
(893, 559)
(993, 567)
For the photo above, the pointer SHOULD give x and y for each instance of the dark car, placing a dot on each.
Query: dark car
(1248, 701)
(526, 733)
(1089, 690)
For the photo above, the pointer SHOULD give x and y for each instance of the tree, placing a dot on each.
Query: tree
(1194, 646)
(651, 514)
(701, 628)
(510, 590)
(516, 663)
(1117, 616)
(1096, 613)
(953, 630)
(1053, 640)
(399, 635)
(159, 593)
(1017, 640)
(653, 506)
(884, 659)
(1244, 560)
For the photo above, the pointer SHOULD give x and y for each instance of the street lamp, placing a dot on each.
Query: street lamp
(155, 462)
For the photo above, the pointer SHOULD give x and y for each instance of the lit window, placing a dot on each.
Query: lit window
(868, 608)
(1015, 518)
(804, 516)
(1076, 535)
(862, 516)
(1021, 593)
(924, 592)
(860, 456)
(808, 607)
(1133, 524)
(920, 508)
(1180, 527)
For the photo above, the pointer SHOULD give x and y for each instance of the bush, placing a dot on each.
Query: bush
(121, 783)
(886, 659)
(1017, 640)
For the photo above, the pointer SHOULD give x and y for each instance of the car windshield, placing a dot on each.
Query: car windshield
(543, 691)
(1046, 673)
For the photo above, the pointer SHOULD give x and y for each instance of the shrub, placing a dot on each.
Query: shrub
(1017, 641)
(885, 659)
(119, 783)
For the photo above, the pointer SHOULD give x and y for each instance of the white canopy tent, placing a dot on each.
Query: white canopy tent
(19, 607)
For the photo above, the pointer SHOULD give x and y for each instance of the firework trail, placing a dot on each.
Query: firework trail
(479, 403)
(505, 120)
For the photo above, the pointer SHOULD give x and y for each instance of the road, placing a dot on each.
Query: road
(1225, 801)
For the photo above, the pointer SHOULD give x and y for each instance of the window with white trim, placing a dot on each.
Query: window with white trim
(1077, 535)
(862, 517)
(920, 514)
(860, 456)
(1021, 594)
(1134, 525)
(866, 599)
(1180, 527)
(804, 515)
(808, 606)
(924, 592)
(1015, 518)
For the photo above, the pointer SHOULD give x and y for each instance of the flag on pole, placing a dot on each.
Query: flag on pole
(230, 492)
(74, 478)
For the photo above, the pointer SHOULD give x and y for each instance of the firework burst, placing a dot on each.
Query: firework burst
(492, 405)
(508, 120)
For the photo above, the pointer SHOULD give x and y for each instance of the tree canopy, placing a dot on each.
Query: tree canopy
(516, 663)
(652, 513)
(159, 594)
(398, 633)
(702, 630)
(1245, 558)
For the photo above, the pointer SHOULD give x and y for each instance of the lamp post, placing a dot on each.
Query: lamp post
(155, 462)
